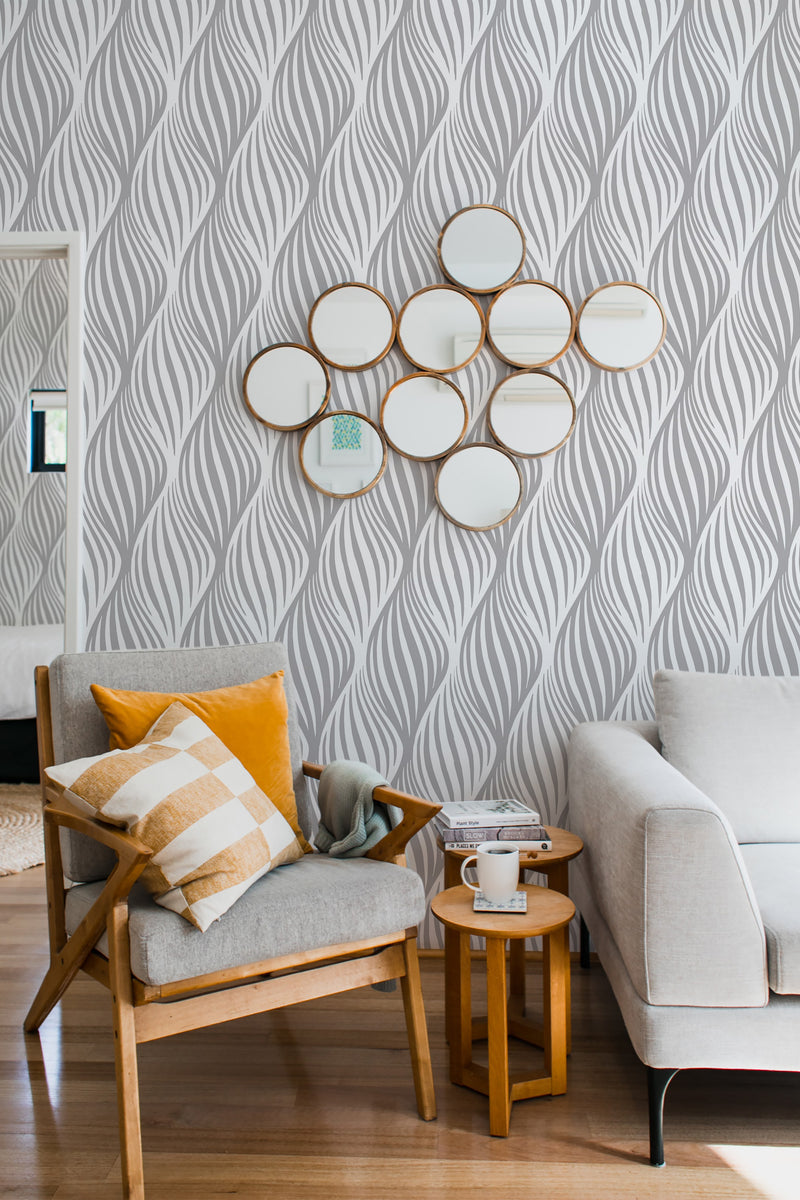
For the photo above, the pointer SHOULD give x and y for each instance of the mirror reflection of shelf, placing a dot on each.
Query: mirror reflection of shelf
(532, 345)
(614, 310)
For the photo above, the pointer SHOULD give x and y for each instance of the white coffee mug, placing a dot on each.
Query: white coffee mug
(498, 870)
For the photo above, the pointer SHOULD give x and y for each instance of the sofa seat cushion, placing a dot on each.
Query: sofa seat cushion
(775, 875)
(312, 903)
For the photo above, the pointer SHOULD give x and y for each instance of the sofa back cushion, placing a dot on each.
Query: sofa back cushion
(737, 738)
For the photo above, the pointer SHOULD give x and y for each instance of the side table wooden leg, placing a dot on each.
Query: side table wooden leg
(452, 1001)
(516, 997)
(452, 877)
(558, 880)
(499, 1091)
(555, 966)
(459, 1007)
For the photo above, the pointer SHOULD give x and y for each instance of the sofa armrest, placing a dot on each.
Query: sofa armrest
(665, 872)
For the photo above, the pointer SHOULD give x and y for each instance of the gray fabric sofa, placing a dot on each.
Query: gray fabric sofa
(689, 882)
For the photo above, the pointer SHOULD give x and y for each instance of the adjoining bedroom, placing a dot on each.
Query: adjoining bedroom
(33, 442)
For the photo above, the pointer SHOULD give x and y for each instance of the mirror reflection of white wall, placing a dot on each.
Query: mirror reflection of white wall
(352, 326)
(343, 454)
(424, 416)
(286, 386)
(621, 326)
(530, 324)
(481, 248)
(440, 329)
(478, 486)
(531, 413)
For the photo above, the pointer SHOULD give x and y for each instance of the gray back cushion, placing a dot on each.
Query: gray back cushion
(737, 738)
(79, 729)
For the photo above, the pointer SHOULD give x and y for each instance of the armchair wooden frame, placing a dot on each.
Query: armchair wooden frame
(143, 1012)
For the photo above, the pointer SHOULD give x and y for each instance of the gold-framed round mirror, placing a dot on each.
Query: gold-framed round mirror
(479, 486)
(286, 386)
(481, 248)
(440, 328)
(530, 323)
(424, 416)
(352, 326)
(620, 326)
(343, 454)
(531, 413)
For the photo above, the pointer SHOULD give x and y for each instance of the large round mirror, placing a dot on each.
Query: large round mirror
(343, 454)
(286, 386)
(424, 416)
(440, 328)
(352, 326)
(530, 324)
(621, 326)
(531, 413)
(479, 486)
(482, 248)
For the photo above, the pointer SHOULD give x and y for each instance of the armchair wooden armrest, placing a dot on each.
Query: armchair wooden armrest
(68, 954)
(416, 814)
(59, 811)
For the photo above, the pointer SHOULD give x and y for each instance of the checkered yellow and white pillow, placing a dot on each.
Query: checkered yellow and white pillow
(213, 832)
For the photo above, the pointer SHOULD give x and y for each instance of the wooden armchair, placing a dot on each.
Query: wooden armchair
(166, 977)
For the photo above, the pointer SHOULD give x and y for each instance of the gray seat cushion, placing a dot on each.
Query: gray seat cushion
(775, 875)
(312, 903)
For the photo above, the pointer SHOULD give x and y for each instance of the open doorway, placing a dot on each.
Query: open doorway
(40, 475)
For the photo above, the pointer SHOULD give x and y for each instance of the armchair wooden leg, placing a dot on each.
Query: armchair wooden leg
(417, 1032)
(130, 1131)
(58, 978)
(658, 1080)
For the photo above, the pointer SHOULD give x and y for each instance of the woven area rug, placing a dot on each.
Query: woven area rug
(21, 837)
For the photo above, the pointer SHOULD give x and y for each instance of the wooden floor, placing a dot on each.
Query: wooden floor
(318, 1102)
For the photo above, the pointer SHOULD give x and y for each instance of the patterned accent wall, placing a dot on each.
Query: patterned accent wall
(33, 354)
(230, 161)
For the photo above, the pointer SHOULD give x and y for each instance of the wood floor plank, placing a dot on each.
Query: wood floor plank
(319, 1101)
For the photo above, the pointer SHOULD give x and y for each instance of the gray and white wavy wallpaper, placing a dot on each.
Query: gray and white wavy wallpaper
(230, 161)
(33, 354)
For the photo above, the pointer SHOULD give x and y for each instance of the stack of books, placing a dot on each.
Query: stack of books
(464, 824)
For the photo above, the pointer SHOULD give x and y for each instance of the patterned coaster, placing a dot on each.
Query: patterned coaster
(517, 904)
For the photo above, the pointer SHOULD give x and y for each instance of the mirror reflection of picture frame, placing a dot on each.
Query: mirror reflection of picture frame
(342, 441)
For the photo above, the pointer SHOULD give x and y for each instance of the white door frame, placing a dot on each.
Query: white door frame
(69, 245)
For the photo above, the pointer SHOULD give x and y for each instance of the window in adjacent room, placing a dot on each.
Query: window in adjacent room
(48, 429)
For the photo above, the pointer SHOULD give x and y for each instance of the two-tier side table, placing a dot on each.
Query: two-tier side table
(554, 866)
(548, 916)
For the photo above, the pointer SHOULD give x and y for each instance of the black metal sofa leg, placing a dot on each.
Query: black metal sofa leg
(585, 958)
(658, 1080)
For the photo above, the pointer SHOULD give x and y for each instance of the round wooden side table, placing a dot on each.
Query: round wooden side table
(554, 865)
(548, 915)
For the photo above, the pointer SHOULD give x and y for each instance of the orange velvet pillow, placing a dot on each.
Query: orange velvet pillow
(251, 719)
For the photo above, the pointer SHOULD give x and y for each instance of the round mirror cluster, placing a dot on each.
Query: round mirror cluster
(528, 324)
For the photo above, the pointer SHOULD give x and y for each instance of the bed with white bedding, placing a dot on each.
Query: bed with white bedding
(22, 648)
